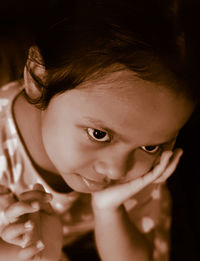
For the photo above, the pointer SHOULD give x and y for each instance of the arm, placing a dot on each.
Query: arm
(116, 237)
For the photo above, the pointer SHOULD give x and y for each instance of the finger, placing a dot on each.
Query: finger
(21, 241)
(14, 233)
(114, 196)
(31, 252)
(38, 186)
(3, 220)
(35, 195)
(6, 197)
(20, 208)
(155, 172)
(39, 194)
(4, 190)
(171, 167)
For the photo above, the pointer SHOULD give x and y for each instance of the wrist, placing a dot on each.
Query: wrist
(103, 210)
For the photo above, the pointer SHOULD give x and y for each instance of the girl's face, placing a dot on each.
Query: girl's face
(111, 131)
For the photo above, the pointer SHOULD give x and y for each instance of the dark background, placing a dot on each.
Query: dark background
(18, 22)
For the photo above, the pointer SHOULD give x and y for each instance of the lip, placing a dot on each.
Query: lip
(93, 185)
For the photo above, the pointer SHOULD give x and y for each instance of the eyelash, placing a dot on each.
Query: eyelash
(157, 148)
(91, 131)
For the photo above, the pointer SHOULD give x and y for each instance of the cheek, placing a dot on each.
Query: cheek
(65, 150)
(142, 163)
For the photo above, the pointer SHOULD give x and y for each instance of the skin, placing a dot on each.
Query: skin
(131, 114)
(27, 221)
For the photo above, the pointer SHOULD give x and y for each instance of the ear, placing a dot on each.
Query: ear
(35, 65)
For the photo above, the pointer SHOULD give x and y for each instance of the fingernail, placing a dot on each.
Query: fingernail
(40, 245)
(180, 152)
(29, 225)
(168, 156)
(35, 205)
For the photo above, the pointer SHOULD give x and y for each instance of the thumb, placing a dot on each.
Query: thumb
(38, 194)
(39, 187)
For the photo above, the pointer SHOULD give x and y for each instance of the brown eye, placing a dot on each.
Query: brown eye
(151, 149)
(98, 135)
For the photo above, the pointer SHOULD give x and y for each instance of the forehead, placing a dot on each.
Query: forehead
(130, 106)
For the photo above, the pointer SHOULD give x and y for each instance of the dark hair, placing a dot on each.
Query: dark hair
(88, 37)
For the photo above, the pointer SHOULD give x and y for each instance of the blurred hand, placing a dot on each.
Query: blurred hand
(113, 197)
(28, 221)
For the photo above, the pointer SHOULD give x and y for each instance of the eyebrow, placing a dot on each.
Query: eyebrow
(166, 142)
(100, 124)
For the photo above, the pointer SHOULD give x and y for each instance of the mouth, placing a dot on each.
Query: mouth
(94, 185)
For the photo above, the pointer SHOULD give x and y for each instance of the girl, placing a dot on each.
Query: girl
(94, 122)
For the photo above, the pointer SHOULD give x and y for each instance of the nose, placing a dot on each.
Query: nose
(114, 167)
